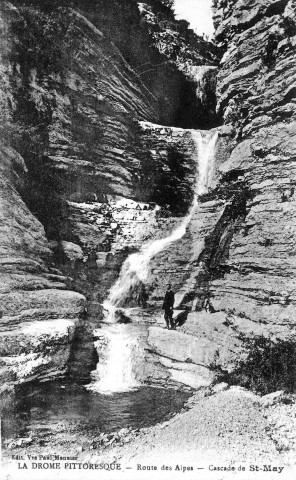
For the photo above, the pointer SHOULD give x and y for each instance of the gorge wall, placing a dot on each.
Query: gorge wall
(73, 96)
(256, 92)
(249, 256)
(97, 106)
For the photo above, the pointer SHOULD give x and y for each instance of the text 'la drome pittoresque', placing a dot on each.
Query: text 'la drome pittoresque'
(71, 464)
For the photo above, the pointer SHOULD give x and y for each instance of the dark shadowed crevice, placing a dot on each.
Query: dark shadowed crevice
(121, 24)
(276, 8)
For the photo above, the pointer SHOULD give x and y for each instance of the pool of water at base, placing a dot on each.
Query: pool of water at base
(46, 406)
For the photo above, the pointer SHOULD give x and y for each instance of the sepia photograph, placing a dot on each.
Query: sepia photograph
(147, 239)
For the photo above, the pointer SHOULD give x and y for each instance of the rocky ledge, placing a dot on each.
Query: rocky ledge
(38, 314)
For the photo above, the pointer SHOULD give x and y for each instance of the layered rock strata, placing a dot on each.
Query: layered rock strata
(244, 273)
(247, 269)
(85, 155)
(38, 314)
(103, 234)
(257, 74)
(75, 194)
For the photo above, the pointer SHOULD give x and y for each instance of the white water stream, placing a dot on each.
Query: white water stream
(118, 373)
(136, 266)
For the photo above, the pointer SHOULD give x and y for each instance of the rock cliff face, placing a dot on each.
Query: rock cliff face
(243, 239)
(248, 270)
(38, 314)
(256, 93)
(98, 103)
(82, 167)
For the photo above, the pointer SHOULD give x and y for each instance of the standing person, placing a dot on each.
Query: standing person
(168, 303)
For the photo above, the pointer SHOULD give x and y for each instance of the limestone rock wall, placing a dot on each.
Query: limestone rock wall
(170, 166)
(74, 105)
(103, 234)
(89, 174)
(38, 314)
(75, 125)
(246, 272)
(255, 91)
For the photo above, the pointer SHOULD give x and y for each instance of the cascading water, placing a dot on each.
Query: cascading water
(206, 147)
(116, 371)
(136, 266)
(119, 372)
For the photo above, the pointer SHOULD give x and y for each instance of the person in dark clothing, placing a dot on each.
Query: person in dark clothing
(168, 304)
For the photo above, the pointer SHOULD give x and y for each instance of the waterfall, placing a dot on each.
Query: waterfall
(117, 370)
(205, 147)
(136, 266)
(119, 367)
